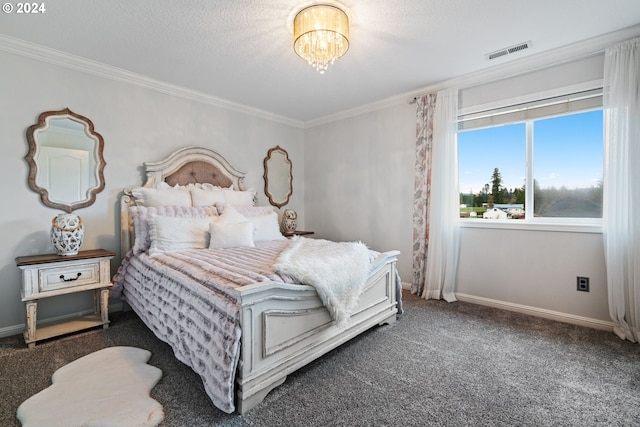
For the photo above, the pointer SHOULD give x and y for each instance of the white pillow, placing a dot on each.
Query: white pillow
(202, 197)
(231, 215)
(162, 185)
(267, 227)
(142, 217)
(239, 198)
(153, 197)
(169, 234)
(231, 235)
(250, 211)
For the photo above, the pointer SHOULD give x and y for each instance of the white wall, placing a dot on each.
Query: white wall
(138, 125)
(537, 269)
(360, 180)
(353, 180)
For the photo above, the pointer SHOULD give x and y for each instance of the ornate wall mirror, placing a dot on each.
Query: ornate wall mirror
(277, 177)
(65, 160)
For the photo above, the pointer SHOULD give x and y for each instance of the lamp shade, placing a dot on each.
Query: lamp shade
(321, 35)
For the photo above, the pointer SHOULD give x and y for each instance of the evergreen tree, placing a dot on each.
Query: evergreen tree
(519, 195)
(496, 187)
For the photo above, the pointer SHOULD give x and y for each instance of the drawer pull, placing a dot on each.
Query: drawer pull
(71, 279)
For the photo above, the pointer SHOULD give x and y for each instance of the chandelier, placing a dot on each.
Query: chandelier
(321, 35)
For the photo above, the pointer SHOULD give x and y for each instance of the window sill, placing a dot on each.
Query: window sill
(590, 227)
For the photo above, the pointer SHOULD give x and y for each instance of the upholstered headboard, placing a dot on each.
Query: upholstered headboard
(189, 165)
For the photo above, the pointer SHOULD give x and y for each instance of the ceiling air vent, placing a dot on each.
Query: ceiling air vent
(509, 50)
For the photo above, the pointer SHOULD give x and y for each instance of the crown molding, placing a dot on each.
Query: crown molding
(51, 56)
(516, 67)
(528, 64)
(564, 54)
(357, 111)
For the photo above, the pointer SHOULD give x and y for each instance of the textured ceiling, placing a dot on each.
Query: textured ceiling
(241, 50)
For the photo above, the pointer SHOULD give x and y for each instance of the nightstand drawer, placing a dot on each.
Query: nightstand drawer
(52, 275)
(51, 279)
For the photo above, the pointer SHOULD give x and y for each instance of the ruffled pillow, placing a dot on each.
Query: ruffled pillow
(247, 211)
(207, 197)
(239, 198)
(231, 215)
(154, 197)
(141, 217)
(175, 234)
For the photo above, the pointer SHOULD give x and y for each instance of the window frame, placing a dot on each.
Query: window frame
(518, 108)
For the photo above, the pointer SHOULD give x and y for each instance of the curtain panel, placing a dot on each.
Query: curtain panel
(422, 188)
(436, 197)
(621, 186)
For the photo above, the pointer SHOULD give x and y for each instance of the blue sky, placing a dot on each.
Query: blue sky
(568, 152)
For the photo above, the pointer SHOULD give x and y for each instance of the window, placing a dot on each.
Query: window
(535, 162)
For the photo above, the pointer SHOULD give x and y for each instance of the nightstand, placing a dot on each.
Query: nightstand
(297, 233)
(45, 276)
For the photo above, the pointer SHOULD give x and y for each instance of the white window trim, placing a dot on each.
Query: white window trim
(579, 87)
(577, 225)
(532, 223)
(534, 110)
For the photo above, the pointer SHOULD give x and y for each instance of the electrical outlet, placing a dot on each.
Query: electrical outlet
(583, 284)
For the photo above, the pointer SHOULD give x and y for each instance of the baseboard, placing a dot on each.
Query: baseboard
(406, 286)
(19, 329)
(539, 312)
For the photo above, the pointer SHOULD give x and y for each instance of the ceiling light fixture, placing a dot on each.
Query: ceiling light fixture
(321, 35)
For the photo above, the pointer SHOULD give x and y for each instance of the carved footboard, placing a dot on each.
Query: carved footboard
(284, 327)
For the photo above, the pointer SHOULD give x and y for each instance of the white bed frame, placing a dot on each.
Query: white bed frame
(284, 326)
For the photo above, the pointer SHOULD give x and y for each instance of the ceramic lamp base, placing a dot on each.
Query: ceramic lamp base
(67, 234)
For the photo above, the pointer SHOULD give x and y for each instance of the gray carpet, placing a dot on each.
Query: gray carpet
(442, 364)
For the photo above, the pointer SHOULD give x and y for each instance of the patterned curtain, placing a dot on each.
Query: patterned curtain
(436, 239)
(422, 189)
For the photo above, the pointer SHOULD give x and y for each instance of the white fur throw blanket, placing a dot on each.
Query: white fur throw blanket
(337, 270)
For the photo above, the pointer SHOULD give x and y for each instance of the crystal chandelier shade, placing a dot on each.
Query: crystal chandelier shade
(321, 35)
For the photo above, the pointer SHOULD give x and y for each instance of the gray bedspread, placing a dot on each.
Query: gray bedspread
(186, 299)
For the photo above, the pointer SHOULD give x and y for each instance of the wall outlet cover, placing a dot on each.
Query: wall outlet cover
(583, 284)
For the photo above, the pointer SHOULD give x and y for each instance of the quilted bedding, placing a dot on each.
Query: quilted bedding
(186, 299)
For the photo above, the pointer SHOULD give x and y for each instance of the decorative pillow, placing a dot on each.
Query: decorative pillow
(231, 235)
(247, 211)
(202, 197)
(162, 185)
(266, 227)
(141, 217)
(177, 234)
(250, 211)
(231, 215)
(152, 197)
(239, 198)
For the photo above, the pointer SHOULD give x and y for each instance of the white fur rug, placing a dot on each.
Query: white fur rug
(107, 388)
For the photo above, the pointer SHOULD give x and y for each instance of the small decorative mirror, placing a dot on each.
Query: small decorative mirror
(65, 160)
(277, 177)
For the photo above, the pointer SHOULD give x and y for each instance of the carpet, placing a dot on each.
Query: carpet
(109, 387)
(441, 364)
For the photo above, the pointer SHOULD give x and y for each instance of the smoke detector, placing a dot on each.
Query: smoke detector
(508, 50)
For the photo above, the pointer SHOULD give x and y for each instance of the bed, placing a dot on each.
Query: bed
(244, 331)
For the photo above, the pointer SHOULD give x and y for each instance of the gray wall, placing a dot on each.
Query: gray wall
(359, 178)
(353, 180)
(138, 125)
(359, 186)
